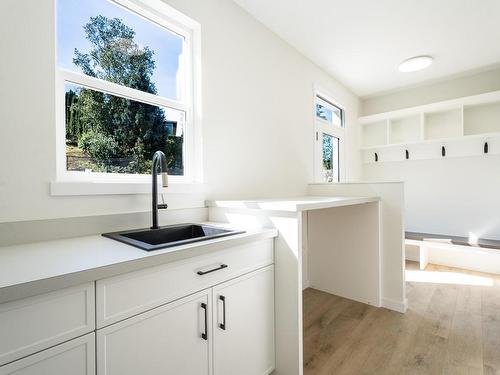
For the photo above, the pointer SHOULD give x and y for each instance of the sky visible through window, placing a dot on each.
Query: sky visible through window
(167, 46)
(328, 112)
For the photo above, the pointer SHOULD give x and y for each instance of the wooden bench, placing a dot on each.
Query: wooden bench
(427, 240)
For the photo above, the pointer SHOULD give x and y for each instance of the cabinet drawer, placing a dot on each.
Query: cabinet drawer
(36, 323)
(75, 357)
(125, 295)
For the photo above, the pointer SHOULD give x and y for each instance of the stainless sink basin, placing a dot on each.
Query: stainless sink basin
(168, 236)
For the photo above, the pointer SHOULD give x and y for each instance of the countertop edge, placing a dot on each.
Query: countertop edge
(65, 280)
(348, 202)
(300, 205)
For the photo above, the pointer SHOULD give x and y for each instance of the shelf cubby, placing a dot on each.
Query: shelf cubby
(482, 118)
(443, 124)
(405, 129)
(374, 134)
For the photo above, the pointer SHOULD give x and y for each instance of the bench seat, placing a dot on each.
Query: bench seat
(454, 240)
(481, 255)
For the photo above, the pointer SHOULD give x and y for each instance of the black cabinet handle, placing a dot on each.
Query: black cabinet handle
(223, 324)
(204, 335)
(221, 267)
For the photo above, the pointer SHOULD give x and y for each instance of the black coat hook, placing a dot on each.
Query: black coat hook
(376, 157)
(407, 155)
(443, 151)
(485, 148)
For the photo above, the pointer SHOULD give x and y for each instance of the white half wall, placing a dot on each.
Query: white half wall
(456, 196)
(391, 215)
(257, 114)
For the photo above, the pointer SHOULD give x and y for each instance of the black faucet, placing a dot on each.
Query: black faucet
(159, 160)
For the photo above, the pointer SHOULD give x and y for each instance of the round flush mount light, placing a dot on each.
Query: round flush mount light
(415, 63)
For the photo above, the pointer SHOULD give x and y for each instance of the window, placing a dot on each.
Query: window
(328, 139)
(329, 112)
(330, 159)
(125, 82)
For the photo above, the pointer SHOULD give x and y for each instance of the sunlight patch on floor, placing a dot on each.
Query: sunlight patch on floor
(447, 278)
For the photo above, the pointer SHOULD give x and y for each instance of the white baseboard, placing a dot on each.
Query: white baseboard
(375, 303)
(388, 303)
(391, 304)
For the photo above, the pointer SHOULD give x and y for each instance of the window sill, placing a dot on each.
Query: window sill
(72, 188)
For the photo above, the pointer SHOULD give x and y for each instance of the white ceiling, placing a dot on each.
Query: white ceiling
(362, 42)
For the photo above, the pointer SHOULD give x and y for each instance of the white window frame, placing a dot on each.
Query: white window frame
(321, 127)
(162, 14)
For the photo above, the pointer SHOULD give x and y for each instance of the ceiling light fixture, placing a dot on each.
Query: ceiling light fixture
(415, 63)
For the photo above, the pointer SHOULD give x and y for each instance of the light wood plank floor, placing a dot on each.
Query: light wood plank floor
(451, 328)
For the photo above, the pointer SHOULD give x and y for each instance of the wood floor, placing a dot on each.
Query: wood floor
(449, 329)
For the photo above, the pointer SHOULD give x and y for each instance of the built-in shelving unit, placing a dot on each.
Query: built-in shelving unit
(461, 126)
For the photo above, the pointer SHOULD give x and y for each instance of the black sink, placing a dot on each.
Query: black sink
(168, 236)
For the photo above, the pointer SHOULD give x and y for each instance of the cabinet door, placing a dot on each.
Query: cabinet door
(171, 339)
(75, 357)
(36, 323)
(244, 324)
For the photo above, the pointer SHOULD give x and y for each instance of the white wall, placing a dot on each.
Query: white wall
(463, 85)
(257, 105)
(455, 196)
(257, 112)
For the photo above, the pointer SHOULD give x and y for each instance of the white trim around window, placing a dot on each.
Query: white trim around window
(90, 183)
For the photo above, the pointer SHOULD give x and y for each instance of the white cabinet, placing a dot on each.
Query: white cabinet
(75, 357)
(243, 338)
(230, 325)
(161, 320)
(171, 339)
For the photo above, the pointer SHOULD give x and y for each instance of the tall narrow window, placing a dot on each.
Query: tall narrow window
(329, 137)
(125, 82)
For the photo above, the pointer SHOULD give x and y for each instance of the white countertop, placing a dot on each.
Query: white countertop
(34, 268)
(294, 204)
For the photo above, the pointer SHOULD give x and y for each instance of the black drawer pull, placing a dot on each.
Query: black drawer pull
(223, 324)
(221, 267)
(204, 335)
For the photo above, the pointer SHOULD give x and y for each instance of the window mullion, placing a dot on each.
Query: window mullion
(119, 90)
